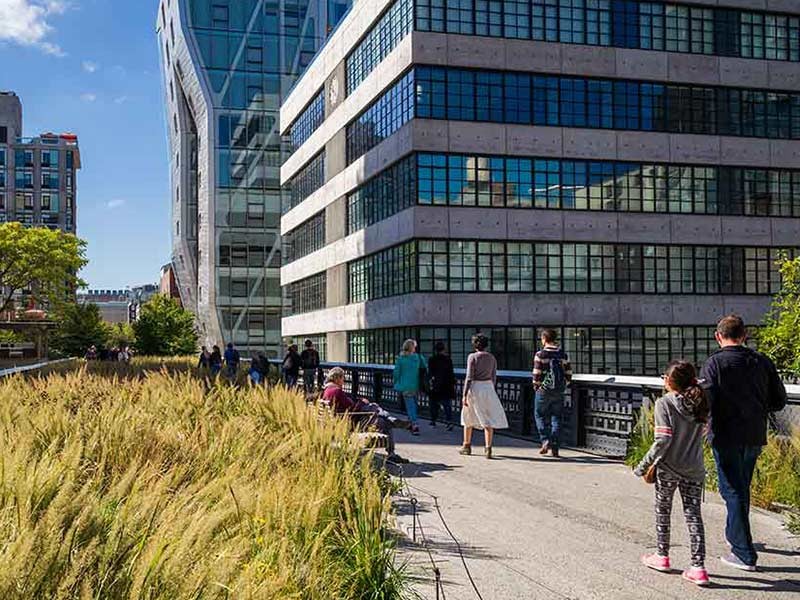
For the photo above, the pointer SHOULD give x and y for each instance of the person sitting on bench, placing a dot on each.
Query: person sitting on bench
(365, 415)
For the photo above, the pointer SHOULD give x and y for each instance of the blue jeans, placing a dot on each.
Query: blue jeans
(548, 411)
(735, 466)
(410, 400)
(290, 379)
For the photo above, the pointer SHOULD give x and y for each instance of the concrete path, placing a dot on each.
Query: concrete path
(572, 528)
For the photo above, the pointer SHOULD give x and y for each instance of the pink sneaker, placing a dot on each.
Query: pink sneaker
(696, 575)
(656, 562)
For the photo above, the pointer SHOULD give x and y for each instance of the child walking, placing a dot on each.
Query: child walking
(677, 456)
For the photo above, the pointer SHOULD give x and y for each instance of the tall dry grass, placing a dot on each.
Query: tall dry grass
(121, 482)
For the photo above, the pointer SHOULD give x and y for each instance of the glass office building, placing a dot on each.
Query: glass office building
(227, 65)
(623, 171)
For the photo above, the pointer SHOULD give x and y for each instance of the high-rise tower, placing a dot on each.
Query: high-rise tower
(227, 65)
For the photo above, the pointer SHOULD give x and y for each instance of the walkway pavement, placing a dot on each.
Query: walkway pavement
(534, 527)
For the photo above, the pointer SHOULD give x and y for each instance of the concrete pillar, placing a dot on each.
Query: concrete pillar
(336, 154)
(336, 286)
(337, 346)
(336, 220)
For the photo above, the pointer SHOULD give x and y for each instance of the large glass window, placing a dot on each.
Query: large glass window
(307, 294)
(308, 121)
(392, 190)
(304, 239)
(307, 181)
(564, 267)
(614, 349)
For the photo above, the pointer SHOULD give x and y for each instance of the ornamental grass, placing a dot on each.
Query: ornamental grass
(122, 481)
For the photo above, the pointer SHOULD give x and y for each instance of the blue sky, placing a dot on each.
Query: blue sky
(92, 67)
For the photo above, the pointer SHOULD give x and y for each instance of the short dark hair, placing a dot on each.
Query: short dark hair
(550, 336)
(293, 347)
(308, 343)
(439, 347)
(480, 341)
(732, 328)
(230, 344)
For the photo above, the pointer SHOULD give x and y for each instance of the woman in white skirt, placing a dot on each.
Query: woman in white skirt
(481, 407)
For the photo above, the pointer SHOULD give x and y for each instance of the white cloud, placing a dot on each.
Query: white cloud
(116, 203)
(89, 66)
(27, 23)
(88, 96)
(120, 100)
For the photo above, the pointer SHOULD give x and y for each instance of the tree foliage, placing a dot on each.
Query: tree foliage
(779, 338)
(164, 328)
(120, 335)
(41, 260)
(78, 326)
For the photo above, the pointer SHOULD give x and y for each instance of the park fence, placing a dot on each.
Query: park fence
(600, 410)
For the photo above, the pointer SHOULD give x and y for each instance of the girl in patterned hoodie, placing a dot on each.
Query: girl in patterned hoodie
(677, 456)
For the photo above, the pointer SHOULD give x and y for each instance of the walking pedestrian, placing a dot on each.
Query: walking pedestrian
(215, 361)
(676, 461)
(743, 387)
(232, 360)
(409, 372)
(291, 366)
(310, 361)
(441, 384)
(204, 360)
(552, 373)
(481, 408)
(254, 372)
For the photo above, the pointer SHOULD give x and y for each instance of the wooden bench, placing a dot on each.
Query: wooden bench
(364, 439)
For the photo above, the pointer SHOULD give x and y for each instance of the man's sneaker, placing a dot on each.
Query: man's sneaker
(737, 563)
(696, 575)
(545, 447)
(554, 452)
(414, 430)
(656, 562)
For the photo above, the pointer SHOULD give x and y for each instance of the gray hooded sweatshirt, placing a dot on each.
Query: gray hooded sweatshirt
(678, 444)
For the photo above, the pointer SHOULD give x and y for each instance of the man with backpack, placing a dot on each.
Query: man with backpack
(310, 360)
(291, 367)
(232, 360)
(743, 388)
(551, 375)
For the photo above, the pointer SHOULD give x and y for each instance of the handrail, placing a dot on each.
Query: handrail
(33, 367)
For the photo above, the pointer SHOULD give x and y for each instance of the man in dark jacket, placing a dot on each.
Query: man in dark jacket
(310, 361)
(743, 387)
(291, 366)
(442, 384)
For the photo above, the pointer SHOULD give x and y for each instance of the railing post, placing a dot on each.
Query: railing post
(377, 386)
(579, 411)
(527, 407)
(354, 377)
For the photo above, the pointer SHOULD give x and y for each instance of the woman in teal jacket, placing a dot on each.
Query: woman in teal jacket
(408, 370)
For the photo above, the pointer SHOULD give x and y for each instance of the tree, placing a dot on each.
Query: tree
(779, 338)
(78, 326)
(38, 261)
(120, 335)
(164, 328)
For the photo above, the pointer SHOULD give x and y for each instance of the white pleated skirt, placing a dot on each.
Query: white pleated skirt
(484, 408)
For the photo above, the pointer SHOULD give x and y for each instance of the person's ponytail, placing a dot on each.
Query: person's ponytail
(682, 377)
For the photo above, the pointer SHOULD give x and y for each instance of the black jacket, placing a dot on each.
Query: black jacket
(743, 387)
(442, 379)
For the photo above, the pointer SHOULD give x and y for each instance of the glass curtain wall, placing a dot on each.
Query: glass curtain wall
(252, 52)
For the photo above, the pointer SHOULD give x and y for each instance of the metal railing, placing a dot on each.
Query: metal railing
(600, 410)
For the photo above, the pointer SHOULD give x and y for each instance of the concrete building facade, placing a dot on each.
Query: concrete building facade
(37, 174)
(626, 172)
(227, 64)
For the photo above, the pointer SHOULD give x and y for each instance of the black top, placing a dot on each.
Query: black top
(310, 358)
(442, 377)
(291, 363)
(743, 387)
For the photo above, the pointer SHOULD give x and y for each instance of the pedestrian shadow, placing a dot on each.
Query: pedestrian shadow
(445, 548)
(761, 548)
(757, 584)
(419, 469)
(576, 460)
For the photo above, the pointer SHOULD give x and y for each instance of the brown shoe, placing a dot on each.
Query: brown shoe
(488, 451)
(466, 450)
(545, 447)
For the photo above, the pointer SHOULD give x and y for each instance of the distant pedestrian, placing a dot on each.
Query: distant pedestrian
(262, 366)
(232, 360)
(204, 361)
(441, 384)
(91, 353)
(676, 456)
(254, 372)
(215, 361)
(310, 361)
(552, 373)
(291, 367)
(481, 407)
(410, 371)
(743, 387)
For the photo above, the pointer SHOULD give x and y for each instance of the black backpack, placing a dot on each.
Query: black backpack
(555, 379)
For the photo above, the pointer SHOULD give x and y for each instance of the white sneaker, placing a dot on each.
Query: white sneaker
(737, 563)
